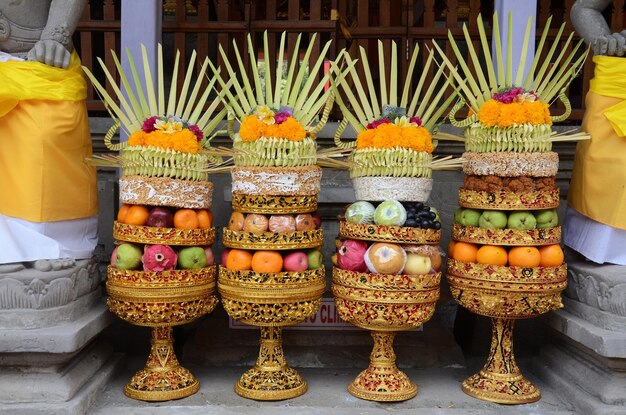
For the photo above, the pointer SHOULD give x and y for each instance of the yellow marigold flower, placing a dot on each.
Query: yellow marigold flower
(489, 113)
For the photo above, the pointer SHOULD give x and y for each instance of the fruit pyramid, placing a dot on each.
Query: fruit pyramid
(387, 268)
(162, 271)
(272, 273)
(505, 261)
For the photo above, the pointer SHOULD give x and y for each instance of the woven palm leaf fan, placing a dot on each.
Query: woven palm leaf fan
(394, 124)
(508, 113)
(169, 133)
(281, 112)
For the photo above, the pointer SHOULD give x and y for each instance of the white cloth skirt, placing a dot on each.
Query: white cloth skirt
(22, 241)
(596, 241)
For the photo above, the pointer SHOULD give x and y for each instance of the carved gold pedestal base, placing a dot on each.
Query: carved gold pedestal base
(271, 379)
(163, 378)
(382, 381)
(500, 380)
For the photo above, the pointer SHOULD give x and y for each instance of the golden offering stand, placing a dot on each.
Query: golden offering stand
(505, 293)
(162, 300)
(272, 300)
(384, 305)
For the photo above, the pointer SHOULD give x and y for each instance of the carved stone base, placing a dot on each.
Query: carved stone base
(500, 380)
(163, 378)
(271, 379)
(382, 381)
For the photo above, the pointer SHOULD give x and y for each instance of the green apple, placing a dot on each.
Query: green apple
(360, 212)
(522, 220)
(390, 212)
(492, 219)
(436, 212)
(547, 218)
(316, 259)
(128, 256)
(468, 217)
(192, 257)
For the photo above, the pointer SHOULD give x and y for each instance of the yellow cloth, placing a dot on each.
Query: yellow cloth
(44, 138)
(598, 186)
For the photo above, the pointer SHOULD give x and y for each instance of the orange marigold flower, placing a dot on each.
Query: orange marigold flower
(184, 141)
(534, 112)
(138, 138)
(511, 114)
(365, 139)
(489, 113)
(390, 135)
(291, 129)
(251, 128)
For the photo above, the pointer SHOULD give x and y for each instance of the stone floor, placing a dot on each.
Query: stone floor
(439, 393)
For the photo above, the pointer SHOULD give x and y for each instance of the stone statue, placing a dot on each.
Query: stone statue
(48, 195)
(595, 225)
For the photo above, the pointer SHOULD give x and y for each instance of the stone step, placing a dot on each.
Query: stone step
(439, 394)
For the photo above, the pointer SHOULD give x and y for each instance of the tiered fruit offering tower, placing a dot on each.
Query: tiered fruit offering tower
(505, 261)
(162, 273)
(387, 270)
(272, 275)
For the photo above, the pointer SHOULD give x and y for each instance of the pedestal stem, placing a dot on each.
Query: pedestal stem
(271, 379)
(500, 380)
(163, 378)
(382, 381)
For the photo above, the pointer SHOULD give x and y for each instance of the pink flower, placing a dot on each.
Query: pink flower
(376, 123)
(416, 120)
(281, 117)
(148, 125)
(197, 131)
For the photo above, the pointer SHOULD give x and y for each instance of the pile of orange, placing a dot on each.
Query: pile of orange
(259, 261)
(519, 256)
(183, 218)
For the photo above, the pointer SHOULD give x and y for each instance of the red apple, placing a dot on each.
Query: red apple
(224, 255)
(305, 222)
(160, 217)
(350, 255)
(255, 223)
(114, 258)
(317, 219)
(210, 258)
(296, 261)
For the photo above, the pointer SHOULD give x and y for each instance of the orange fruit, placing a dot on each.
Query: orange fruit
(236, 221)
(492, 255)
(450, 248)
(239, 260)
(267, 261)
(205, 218)
(524, 256)
(136, 215)
(121, 214)
(186, 219)
(464, 251)
(551, 256)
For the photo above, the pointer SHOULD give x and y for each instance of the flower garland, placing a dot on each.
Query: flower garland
(264, 122)
(402, 132)
(170, 133)
(514, 106)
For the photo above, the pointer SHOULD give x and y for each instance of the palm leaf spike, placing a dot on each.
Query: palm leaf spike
(202, 122)
(268, 73)
(558, 64)
(260, 99)
(546, 60)
(496, 37)
(509, 52)
(463, 64)
(393, 80)
(292, 67)
(407, 82)
(182, 98)
(522, 61)
(467, 93)
(295, 90)
(137, 110)
(364, 102)
(171, 100)
(304, 98)
(420, 84)
(425, 99)
(483, 85)
(427, 113)
(250, 102)
(491, 73)
(147, 72)
(193, 117)
(382, 75)
(161, 81)
(529, 77)
(191, 102)
(370, 83)
(354, 102)
(126, 112)
(279, 72)
(233, 101)
(560, 81)
(138, 85)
